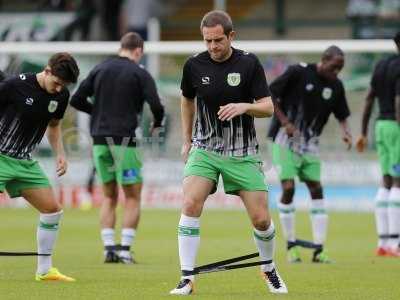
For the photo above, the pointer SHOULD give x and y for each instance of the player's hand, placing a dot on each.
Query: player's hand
(156, 131)
(291, 130)
(361, 143)
(231, 110)
(348, 140)
(185, 150)
(62, 165)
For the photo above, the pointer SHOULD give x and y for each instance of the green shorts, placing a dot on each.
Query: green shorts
(17, 175)
(387, 133)
(118, 163)
(238, 173)
(289, 164)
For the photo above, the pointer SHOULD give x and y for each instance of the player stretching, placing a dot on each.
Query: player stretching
(306, 95)
(30, 105)
(119, 86)
(385, 85)
(230, 89)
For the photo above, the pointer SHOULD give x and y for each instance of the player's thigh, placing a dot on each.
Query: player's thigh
(42, 199)
(256, 203)
(27, 175)
(286, 162)
(132, 191)
(197, 188)
(310, 169)
(104, 163)
(382, 146)
(110, 190)
(202, 164)
(195, 192)
(128, 165)
(243, 174)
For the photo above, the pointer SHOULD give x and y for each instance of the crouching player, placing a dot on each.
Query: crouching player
(30, 104)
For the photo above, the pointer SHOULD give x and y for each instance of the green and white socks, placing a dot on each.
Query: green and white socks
(127, 238)
(382, 217)
(288, 221)
(47, 232)
(265, 243)
(108, 237)
(319, 221)
(394, 217)
(189, 242)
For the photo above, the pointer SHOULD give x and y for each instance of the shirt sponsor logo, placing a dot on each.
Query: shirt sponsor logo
(22, 76)
(52, 106)
(205, 80)
(309, 87)
(29, 101)
(233, 79)
(327, 93)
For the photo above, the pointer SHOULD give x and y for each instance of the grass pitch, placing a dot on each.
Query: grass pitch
(356, 273)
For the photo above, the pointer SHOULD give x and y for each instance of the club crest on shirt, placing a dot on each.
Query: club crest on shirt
(52, 106)
(327, 93)
(233, 79)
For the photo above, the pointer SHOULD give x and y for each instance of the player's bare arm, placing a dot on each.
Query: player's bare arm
(346, 133)
(369, 103)
(261, 108)
(54, 136)
(187, 117)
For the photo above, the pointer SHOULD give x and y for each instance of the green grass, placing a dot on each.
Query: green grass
(356, 273)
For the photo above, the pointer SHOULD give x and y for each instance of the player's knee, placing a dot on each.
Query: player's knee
(51, 209)
(261, 223)
(132, 199)
(191, 207)
(316, 192)
(287, 194)
(387, 181)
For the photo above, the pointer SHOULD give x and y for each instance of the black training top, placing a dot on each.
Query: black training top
(307, 99)
(240, 78)
(25, 112)
(383, 83)
(119, 87)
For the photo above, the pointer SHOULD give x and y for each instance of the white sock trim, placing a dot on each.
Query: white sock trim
(189, 221)
(382, 194)
(107, 235)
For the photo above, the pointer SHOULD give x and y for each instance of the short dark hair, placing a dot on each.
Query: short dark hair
(131, 41)
(217, 17)
(64, 66)
(331, 52)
